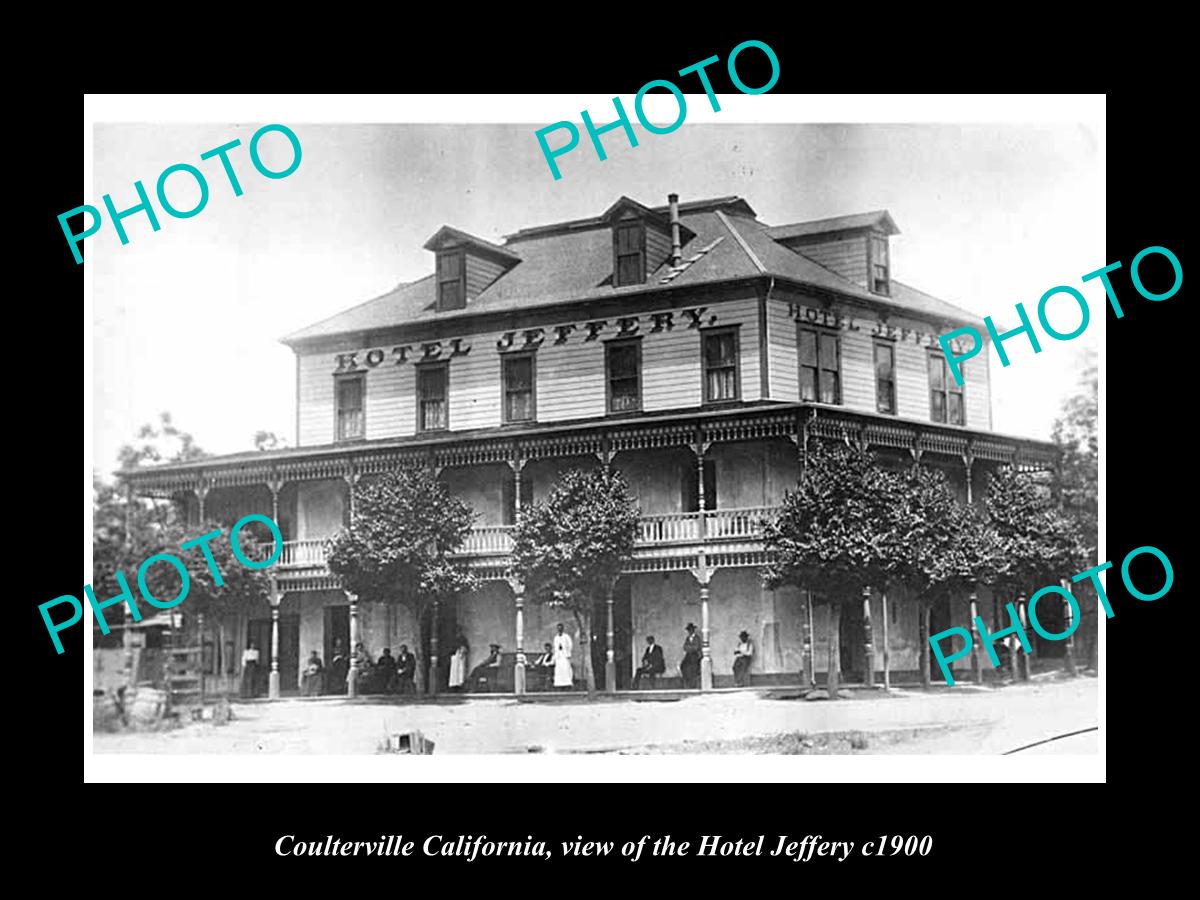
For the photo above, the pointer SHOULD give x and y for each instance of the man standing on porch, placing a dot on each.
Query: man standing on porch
(563, 646)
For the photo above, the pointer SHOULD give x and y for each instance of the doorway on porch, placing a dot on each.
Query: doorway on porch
(289, 652)
(622, 636)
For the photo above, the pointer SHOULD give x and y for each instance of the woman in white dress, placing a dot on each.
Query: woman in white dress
(562, 658)
(458, 664)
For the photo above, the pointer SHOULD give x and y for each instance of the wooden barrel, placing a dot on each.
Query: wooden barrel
(149, 704)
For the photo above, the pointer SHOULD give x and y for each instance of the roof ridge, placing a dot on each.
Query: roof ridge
(741, 241)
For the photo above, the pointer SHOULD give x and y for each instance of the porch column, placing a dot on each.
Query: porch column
(1069, 648)
(610, 659)
(976, 668)
(434, 678)
(706, 675)
(968, 465)
(127, 632)
(923, 642)
(273, 679)
(808, 669)
(887, 657)
(868, 643)
(352, 674)
(201, 491)
(519, 666)
(1024, 658)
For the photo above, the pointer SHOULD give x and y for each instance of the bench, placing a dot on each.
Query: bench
(501, 679)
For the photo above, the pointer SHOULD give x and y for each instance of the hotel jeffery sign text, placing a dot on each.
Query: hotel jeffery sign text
(528, 339)
(827, 319)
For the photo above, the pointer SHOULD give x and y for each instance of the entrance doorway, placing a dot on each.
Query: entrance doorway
(337, 628)
(289, 651)
(622, 636)
(939, 621)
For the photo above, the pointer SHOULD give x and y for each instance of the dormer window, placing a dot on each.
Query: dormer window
(451, 280)
(880, 283)
(629, 251)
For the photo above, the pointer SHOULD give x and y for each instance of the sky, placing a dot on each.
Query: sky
(188, 319)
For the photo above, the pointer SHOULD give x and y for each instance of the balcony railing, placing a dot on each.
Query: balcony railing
(658, 530)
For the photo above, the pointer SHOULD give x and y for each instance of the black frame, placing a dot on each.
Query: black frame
(423, 371)
(705, 335)
(505, 361)
(460, 279)
(609, 348)
(640, 252)
(819, 334)
(890, 347)
(950, 388)
(338, 380)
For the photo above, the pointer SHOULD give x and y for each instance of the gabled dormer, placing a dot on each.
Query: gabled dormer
(643, 239)
(465, 266)
(855, 247)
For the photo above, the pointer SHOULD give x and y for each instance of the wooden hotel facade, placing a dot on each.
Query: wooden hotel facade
(690, 345)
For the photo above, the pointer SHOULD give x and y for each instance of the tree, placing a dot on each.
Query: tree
(1038, 544)
(1075, 434)
(399, 546)
(268, 440)
(572, 547)
(162, 443)
(833, 534)
(941, 548)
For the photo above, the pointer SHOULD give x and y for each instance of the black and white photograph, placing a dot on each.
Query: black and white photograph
(664, 457)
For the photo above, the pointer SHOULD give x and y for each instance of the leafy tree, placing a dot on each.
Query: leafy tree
(941, 547)
(834, 533)
(163, 442)
(1075, 434)
(268, 440)
(399, 547)
(572, 547)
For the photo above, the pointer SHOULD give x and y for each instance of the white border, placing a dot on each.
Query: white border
(543, 110)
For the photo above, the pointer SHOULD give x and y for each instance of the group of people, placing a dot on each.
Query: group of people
(653, 665)
(553, 666)
(386, 675)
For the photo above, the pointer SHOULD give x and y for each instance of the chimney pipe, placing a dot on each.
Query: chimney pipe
(676, 250)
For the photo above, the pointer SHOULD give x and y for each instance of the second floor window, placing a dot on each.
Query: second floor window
(518, 388)
(624, 362)
(885, 378)
(451, 280)
(629, 247)
(349, 400)
(945, 394)
(720, 365)
(432, 398)
(820, 366)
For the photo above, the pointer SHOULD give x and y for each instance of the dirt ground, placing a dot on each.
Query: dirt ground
(959, 720)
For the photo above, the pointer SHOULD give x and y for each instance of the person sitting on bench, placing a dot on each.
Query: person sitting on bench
(314, 678)
(485, 673)
(406, 668)
(543, 666)
(652, 663)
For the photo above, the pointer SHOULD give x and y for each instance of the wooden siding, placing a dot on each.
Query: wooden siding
(977, 395)
(858, 369)
(782, 353)
(845, 255)
(658, 248)
(912, 381)
(480, 273)
(570, 382)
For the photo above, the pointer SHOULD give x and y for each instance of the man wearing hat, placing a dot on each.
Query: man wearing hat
(487, 671)
(690, 666)
(742, 655)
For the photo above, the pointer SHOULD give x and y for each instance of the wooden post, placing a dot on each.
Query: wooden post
(610, 659)
(706, 674)
(923, 643)
(1026, 672)
(868, 642)
(834, 672)
(434, 679)
(976, 667)
(887, 656)
(1069, 649)
(807, 663)
(273, 677)
(352, 673)
(519, 665)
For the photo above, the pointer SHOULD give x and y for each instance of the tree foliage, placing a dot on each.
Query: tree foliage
(1038, 545)
(572, 547)
(163, 442)
(1075, 434)
(268, 440)
(834, 532)
(399, 547)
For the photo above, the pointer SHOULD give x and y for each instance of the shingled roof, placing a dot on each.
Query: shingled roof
(572, 261)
